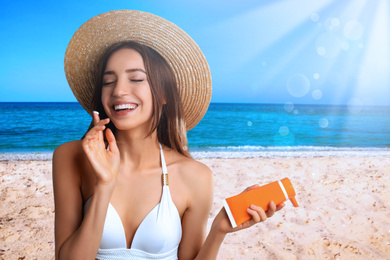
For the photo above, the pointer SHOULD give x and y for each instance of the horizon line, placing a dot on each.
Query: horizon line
(236, 103)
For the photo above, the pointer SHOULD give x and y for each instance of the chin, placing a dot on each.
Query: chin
(128, 126)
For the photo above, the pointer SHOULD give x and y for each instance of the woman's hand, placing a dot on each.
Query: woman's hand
(104, 162)
(257, 213)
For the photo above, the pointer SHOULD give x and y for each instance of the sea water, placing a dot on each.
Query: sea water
(36, 129)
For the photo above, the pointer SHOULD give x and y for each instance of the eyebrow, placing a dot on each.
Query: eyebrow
(109, 72)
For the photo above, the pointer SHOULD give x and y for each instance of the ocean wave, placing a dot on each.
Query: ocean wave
(290, 154)
(26, 156)
(251, 148)
(230, 152)
(290, 151)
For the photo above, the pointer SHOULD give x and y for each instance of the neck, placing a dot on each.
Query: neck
(138, 151)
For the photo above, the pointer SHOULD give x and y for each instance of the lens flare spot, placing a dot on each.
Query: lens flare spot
(249, 123)
(288, 107)
(316, 76)
(314, 17)
(323, 122)
(331, 24)
(296, 112)
(321, 51)
(328, 45)
(283, 131)
(298, 85)
(353, 30)
(316, 94)
(335, 22)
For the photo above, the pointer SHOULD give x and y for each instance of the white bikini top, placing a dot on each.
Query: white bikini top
(157, 237)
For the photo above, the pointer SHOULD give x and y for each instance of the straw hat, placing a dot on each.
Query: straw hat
(183, 55)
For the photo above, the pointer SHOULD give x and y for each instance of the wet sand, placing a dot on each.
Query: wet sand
(344, 208)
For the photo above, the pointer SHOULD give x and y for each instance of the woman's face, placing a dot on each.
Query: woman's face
(126, 95)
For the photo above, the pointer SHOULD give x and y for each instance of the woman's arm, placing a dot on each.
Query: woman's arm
(78, 237)
(194, 222)
(198, 179)
(221, 226)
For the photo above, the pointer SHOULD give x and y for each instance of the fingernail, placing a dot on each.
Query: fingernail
(96, 112)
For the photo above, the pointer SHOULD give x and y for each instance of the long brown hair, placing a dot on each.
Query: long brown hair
(168, 114)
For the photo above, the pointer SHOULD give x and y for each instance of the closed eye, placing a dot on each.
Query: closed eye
(136, 80)
(108, 83)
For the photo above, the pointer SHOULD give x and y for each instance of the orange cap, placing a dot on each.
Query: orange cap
(294, 202)
(290, 191)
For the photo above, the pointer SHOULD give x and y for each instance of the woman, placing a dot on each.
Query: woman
(109, 198)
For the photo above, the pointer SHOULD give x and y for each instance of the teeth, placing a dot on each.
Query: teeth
(125, 106)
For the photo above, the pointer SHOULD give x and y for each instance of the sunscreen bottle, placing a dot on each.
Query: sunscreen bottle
(278, 192)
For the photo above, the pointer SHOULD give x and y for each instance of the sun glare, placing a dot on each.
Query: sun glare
(258, 29)
(375, 66)
(320, 52)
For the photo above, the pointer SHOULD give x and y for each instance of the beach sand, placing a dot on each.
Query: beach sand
(344, 208)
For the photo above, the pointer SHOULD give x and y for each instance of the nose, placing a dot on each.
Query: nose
(120, 88)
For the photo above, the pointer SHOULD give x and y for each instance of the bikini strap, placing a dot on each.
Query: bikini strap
(164, 168)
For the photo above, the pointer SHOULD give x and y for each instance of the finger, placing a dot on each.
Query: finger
(92, 134)
(103, 121)
(111, 141)
(254, 216)
(280, 206)
(257, 213)
(95, 117)
(251, 187)
(99, 126)
(95, 134)
(271, 209)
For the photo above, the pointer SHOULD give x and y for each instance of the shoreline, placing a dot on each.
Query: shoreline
(343, 210)
(232, 154)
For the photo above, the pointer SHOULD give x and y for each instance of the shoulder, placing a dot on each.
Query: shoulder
(69, 158)
(72, 170)
(196, 177)
(68, 150)
(194, 172)
(70, 153)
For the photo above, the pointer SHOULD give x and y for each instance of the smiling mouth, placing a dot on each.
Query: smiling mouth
(125, 107)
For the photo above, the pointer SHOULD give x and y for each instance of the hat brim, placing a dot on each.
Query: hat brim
(183, 55)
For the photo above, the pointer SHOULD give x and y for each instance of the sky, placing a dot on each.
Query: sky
(259, 51)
